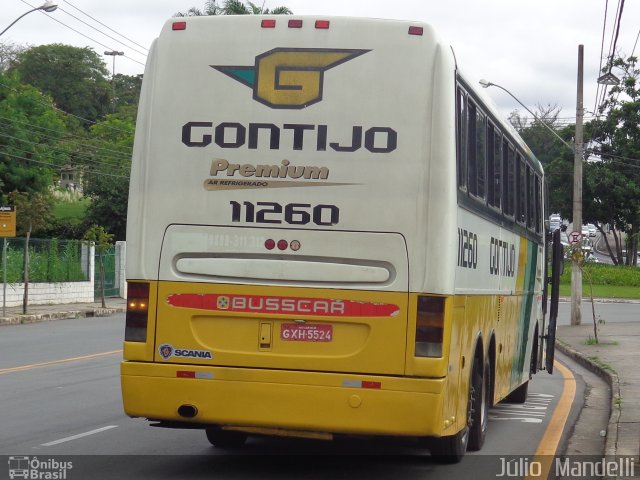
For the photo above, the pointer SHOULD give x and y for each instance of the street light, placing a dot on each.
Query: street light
(487, 84)
(114, 54)
(47, 6)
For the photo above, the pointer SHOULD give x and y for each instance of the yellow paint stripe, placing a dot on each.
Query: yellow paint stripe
(553, 434)
(57, 362)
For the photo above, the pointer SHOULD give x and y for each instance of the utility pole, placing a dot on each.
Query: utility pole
(576, 273)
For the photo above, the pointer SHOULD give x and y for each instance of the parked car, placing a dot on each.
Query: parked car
(585, 231)
(555, 222)
(592, 229)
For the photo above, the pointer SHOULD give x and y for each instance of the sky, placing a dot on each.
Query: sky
(530, 47)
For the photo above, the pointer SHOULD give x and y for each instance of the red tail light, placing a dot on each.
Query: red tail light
(268, 24)
(137, 312)
(429, 326)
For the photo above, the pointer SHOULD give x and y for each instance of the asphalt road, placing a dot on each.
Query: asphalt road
(606, 311)
(60, 397)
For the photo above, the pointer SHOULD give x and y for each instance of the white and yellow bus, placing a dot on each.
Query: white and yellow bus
(330, 232)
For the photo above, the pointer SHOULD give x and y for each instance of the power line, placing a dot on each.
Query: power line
(55, 149)
(101, 32)
(65, 135)
(80, 33)
(66, 113)
(106, 26)
(57, 166)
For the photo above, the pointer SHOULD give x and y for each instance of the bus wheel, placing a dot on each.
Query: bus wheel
(450, 449)
(519, 395)
(225, 438)
(478, 406)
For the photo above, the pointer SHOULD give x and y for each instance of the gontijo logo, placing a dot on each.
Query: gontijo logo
(289, 77)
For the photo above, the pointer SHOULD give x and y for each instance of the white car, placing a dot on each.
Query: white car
(592, 229)
(585, 231)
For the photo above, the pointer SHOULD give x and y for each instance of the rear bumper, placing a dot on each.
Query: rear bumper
(309, 401)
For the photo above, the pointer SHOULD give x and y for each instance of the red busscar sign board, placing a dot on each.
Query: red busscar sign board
(282, 305)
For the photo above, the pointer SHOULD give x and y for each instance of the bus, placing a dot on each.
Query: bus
(330, 232)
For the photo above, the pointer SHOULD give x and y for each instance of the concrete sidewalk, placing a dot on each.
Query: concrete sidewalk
(44, 313)
(616, 359)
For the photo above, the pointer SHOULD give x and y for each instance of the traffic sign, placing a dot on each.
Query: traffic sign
(7, 221)
(575, 237)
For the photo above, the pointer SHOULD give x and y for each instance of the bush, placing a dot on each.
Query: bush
(603, 274)
(50, 261)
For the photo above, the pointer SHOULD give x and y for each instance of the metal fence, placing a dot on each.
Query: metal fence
(111, 273)
(50, 261)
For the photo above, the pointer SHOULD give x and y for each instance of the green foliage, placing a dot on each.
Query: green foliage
(50, 261)
(30, 128)
(108, 187)
(603, 274)
(618, 135)
(75, 77)
(33, 211)
(98, 235)
(233, 7)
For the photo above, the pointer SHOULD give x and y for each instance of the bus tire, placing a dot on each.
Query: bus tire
(478, 417)
(519, 395)
(450, 449)
(225, 438)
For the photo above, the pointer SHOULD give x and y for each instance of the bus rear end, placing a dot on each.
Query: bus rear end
(276, 229)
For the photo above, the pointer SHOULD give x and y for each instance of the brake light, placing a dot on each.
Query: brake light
(295, 23)
(413, 30)
(322, 24)
(268, 24)
(179, 26)
(137, 312)
(429, 326)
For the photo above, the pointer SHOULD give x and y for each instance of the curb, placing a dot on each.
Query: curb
(21, 319)
(611, 443)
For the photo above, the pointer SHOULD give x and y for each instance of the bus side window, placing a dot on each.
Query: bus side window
(461, 134)
(481, 153)
(538, 203)
(472, 164)
(476, 151)
(494, 166)
(530, 198)
(508, 185)
(521, 193)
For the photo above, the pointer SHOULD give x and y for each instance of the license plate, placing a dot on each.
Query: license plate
(305, 332)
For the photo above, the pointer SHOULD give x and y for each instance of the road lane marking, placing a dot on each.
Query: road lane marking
(57, 362)
(80, 435)
(553, 434)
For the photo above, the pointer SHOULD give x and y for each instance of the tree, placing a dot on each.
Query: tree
(555, 157)
(107, 182)
(233, 7)
(618, 136)
(30, 134)
(102, 241)
(75, 77)
(127, 88)
(33, 212)
(8, 54)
